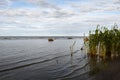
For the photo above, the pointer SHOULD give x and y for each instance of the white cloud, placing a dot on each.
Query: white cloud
(97, 6)
(49, 19)
(4, 4)
(43, 3)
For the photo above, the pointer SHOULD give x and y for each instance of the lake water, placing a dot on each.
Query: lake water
(38, 59)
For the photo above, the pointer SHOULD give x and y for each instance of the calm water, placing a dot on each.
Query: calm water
(39, 59)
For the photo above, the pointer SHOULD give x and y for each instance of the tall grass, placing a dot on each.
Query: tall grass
(105, 42)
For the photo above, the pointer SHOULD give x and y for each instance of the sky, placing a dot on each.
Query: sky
(56, 17)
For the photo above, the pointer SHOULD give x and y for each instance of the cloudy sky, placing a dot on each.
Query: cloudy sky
(56, 17)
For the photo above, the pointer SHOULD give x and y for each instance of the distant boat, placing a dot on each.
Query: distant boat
(50, 39)
(69, 37)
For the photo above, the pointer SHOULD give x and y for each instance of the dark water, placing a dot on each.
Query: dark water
(39, 59)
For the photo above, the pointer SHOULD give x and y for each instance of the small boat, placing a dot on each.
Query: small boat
(50, 39)
(69, 37)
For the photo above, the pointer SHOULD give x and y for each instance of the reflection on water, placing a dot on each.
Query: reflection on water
(42, 60)
(96, 65)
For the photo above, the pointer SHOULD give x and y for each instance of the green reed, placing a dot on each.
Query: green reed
(104, 42)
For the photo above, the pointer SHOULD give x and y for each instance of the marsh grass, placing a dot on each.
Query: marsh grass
(105, 42)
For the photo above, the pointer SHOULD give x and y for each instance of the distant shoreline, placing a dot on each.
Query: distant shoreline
(36, 37)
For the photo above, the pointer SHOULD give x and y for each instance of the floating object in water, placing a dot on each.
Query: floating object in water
(69, 37)
(81, 48)
(50, 39)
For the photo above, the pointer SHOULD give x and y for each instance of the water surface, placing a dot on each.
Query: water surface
(38, 59)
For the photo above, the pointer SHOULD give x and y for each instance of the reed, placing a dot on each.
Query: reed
(72, 48)
(105, 42)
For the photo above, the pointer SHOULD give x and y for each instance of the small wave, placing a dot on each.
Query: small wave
(67, 66)
(75, 76)
(73, 71)
(26, 60)
(17, 67)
